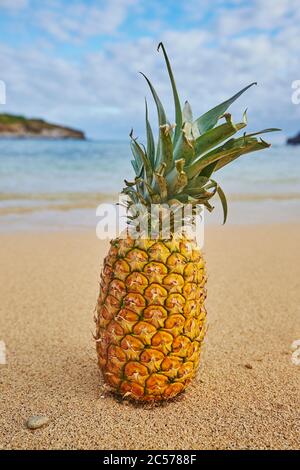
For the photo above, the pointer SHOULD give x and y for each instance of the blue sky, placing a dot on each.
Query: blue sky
(77, 62)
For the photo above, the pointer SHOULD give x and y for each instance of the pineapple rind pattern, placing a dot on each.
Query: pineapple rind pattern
(151, 317)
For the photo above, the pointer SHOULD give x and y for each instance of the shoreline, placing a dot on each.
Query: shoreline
(84, 218)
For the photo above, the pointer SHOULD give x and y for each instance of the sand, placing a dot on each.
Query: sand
(248, 391)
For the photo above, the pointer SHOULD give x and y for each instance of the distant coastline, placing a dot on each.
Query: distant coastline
(20, 127)
(294, 140)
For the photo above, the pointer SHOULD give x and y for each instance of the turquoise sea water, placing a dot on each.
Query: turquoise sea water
(58, 184)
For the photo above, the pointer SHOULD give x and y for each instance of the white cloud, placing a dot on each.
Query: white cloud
(258, 15)
(103, 92)
(13, 5)
(80, 20)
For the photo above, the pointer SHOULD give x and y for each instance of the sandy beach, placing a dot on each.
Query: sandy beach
(247, 394)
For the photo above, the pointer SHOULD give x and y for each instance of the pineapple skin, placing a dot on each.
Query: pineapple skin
(151, 317)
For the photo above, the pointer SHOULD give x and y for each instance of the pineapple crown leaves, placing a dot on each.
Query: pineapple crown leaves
(180, 166)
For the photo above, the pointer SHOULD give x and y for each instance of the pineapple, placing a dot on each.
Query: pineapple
(151, 318)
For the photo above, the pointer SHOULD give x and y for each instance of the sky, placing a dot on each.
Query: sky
(77, 62)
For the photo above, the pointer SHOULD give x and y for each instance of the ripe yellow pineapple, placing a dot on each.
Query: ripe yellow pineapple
(151, 318)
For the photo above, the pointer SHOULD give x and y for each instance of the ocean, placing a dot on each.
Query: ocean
(51, 185)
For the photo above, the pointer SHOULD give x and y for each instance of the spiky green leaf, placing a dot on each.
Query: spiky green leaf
(210, 118)
(178, 115)
(264, 131)
(258, 145)
(162, 120)
(223, 200)
(184, 148)
(187, 114)
(166, 147)
(162, 184)
(180, 182)
(138, 152)
(215, 136)
(233, 148)
(150, 139)
(135, 167)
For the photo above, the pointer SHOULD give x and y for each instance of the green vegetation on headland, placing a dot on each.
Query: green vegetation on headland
(11, 118)
(12, 125)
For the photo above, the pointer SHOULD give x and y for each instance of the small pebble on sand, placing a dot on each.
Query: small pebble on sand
(248, 366)
(37, 421)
